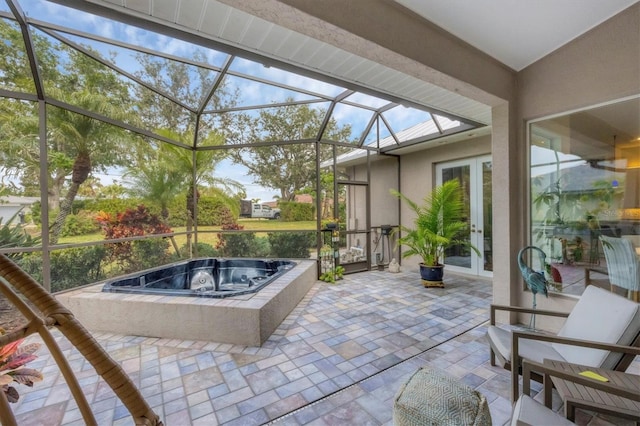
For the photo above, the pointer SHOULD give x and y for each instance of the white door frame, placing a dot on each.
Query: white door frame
(476, 219)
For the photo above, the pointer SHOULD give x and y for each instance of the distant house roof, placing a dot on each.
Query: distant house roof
(14, 200)
(304, 198)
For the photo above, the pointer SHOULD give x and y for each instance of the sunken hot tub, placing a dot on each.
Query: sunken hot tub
(152, 303)
(207, 277)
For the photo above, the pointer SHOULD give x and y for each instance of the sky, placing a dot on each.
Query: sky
(251, 93)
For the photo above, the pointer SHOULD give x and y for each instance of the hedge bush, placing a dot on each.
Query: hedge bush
(291, 211)
(114, 206)
(203, 250)
(291, 244)
(70, 268)
(244, 244)
(211, 211)
(82, 223)
(138, 254)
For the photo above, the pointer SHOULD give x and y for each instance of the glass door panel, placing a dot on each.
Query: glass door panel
(475, 179)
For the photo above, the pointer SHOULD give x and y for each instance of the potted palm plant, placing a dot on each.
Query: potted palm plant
(438, 225)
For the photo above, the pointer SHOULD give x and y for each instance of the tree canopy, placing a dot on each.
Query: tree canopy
(291, 167)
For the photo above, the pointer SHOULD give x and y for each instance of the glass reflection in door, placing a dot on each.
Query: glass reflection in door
(474, 176)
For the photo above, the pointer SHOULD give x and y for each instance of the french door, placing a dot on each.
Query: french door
(474, 175)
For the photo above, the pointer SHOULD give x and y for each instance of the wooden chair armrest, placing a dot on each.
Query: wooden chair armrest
(520, 309)
(515, 351)
(571, 341)
(528, 366)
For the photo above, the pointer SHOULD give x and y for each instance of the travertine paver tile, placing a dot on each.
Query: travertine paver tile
(350, 413)
(257, 417)
(232, 398)
(227, 414)
(257, 402)
(380, 410)
(197, 398)
(294, 387)
(265, 380)
(178, 418)
(285, 405)
(349, 349)
(200, 380)
(234, 379)
(200, 410)
(338, 358)
(216, 391)
(175, 405)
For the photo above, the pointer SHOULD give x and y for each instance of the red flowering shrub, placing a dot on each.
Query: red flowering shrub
(138, 254)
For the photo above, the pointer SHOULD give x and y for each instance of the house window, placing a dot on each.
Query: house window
(584, 183)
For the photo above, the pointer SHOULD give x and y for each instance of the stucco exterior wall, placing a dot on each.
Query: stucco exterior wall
(384, 176)
(600, 66)
(384, 206)
(417, 175)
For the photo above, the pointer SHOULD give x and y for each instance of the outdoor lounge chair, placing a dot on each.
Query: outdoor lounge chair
(14, 281)
(527, 411)
(599, 319)
(623, 265)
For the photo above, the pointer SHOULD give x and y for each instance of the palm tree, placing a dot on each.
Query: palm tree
(438, 225)
(156, 178)
(179, 168)
(84, 141)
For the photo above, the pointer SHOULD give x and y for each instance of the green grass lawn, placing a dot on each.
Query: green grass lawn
(208, 234)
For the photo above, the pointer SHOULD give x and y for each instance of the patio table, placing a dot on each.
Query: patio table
(579, 396)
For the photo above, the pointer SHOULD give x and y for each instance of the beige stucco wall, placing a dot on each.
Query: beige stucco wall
(384, 206)
(384, 176)
(414, 175)
(417, 174)
(600, 66)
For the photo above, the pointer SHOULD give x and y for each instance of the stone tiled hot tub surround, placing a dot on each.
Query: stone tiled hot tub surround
(244, 320)
(202, 277)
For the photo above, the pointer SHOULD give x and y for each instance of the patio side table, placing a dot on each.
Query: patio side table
(580, 396)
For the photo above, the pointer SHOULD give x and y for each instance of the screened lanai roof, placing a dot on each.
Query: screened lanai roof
(222, 82)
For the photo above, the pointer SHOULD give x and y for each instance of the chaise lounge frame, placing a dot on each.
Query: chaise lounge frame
(15, 282)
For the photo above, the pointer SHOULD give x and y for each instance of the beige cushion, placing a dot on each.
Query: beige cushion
(533, 350)
(600, 316)
(430, 397)
(528, 412)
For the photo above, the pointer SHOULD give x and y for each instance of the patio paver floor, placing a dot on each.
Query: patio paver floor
(337, 359)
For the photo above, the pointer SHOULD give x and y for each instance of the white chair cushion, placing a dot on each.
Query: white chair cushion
(528, 412)
(533, 350)
(600, 316)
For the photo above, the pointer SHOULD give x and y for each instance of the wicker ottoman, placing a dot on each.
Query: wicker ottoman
(430, 397)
